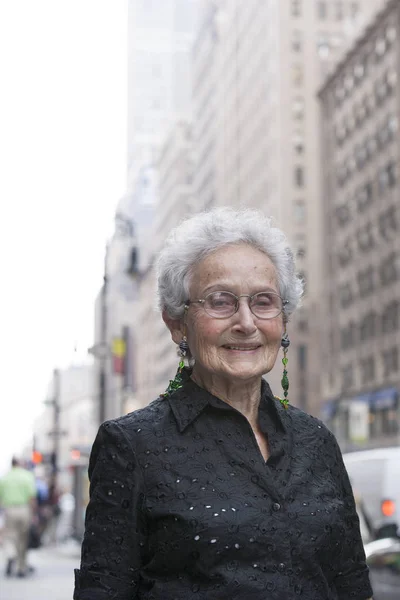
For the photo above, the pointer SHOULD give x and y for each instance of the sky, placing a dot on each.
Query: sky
(63, 108)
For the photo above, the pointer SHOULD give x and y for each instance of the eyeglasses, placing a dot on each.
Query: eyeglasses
(222, 305)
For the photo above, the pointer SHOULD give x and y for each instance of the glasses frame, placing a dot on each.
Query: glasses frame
(202, 301)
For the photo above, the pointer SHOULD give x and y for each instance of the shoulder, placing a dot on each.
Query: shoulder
(150, 419)
(304, 425)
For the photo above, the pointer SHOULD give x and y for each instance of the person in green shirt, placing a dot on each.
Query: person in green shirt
(18, 499)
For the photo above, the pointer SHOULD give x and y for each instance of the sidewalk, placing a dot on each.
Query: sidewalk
(53, 578)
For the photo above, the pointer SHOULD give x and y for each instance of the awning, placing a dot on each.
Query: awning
(384, 399)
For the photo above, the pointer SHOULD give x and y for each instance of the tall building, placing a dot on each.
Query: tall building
(157, 360)
(361, 148)
(160, 36)
(256, 131)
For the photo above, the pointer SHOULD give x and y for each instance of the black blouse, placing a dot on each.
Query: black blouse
(184, 507)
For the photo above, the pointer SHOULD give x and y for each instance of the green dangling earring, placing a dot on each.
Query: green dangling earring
(285, 343)
(177, 382)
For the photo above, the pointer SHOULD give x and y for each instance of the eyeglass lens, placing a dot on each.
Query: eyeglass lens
(224, 304)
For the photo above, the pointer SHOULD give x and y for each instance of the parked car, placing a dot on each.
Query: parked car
(375, 478)
(383, 558)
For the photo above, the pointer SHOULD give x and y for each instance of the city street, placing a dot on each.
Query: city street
(52, 580)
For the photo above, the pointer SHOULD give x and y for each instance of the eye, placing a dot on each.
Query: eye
(263, 300)
(221, 300)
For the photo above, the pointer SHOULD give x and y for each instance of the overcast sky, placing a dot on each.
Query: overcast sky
(63, 159)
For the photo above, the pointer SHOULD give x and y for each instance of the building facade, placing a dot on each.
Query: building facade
(256, 132)
(360, 141)
(157, 360)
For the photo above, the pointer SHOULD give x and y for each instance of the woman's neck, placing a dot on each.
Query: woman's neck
(244, 396)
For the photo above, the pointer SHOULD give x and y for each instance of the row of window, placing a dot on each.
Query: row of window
(390, 361)
(385, 132)
(327, 9)
(365, 238)
(371, 326)
(386, 176)
(371, 279)
(374, 52)
(365, 108)
(363, 198)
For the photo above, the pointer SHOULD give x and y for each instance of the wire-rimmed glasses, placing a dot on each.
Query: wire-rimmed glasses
(223, 305)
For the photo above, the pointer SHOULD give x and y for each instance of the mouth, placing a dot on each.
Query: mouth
(242, 348)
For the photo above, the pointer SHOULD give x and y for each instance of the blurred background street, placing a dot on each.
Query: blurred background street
(144, 112)
(53, 578)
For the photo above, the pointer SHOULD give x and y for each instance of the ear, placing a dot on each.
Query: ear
(175, 326)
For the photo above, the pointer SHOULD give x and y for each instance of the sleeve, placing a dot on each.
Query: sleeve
(114, 524)
(352, 577)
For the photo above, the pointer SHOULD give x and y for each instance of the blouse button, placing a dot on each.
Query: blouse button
(276, 506)
(281, 567)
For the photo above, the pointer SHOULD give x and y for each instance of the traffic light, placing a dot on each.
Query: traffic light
(37, 457)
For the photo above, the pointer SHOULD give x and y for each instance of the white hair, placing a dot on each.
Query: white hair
(198, 236)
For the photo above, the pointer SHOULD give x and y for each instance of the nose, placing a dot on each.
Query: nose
(244, 318)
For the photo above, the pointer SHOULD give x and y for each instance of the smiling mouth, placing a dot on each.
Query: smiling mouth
(242, 348)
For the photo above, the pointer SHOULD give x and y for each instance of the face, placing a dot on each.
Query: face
(241, 347)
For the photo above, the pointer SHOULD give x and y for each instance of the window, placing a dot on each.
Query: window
(367, 369)
(298, 108)
(380, 47)
(354, 10)
(392, 125)
(391, 361)
(298, 142)
(299, 176)
(372, 146)
(365, 238)
(322, 12)
(345, 253)
(361, 155)
(302, 357)
(364, 197)
(391, 317)
(346, 295)
(389, 269)
(297, 41)
(299, 211)
(348, 336)
(391, 34)
(323, 46)
(297, 75)
(368, 326)
(360, 113)
(387, 177)
(347, 376)
(388, 224)
(343, 215)
(296, 8)
(366, 281)
(339, 11)
(359, 70)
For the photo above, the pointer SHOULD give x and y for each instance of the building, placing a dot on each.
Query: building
(160, 36)
(204, 104)
(257, 68)
(361, 148)
(157, 360)
(64, 433)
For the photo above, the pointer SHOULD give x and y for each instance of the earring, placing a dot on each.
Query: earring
(285, 343)
(183, 347)
(177, 382)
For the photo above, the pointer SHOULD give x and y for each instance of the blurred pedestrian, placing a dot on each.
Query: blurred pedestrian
(218, 489)
(53, 504)
(18, 499)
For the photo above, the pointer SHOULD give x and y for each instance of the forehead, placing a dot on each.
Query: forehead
(234, 267)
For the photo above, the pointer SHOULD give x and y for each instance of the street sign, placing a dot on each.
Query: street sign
(57, 433)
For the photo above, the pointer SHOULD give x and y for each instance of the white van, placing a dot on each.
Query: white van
(375, 478)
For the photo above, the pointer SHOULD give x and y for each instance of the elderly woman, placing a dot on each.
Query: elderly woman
(218, 489)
